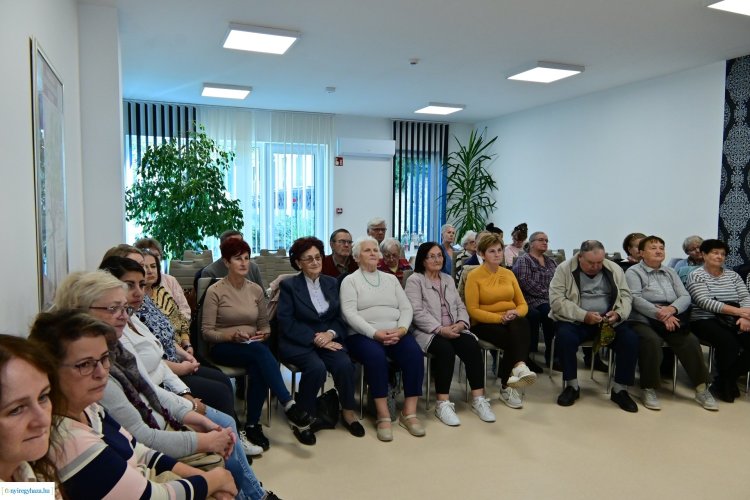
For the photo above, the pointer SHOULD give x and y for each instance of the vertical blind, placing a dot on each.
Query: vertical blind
(419, 180)
(150, 123)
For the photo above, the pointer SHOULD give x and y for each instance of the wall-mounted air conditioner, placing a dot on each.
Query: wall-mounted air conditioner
(366, 148)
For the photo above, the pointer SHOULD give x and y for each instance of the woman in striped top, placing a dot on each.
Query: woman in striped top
(721, 317)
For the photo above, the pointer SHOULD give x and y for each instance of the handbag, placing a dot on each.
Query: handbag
(328, 409)
(203, 461)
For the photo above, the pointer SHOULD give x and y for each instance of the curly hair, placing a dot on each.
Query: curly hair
(302, 245)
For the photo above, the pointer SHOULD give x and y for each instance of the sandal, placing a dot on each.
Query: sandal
(384, 433)
(412, 424)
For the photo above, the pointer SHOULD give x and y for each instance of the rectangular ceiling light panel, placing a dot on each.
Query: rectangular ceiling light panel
(259, 39)
(545, 72)
(734, 6)
(225, 91)
(436, 108)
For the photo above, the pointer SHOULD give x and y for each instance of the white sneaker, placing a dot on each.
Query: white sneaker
(521, 376)
(249, 448)
(446, 412)
(481, 406)
(706, 400)
(650, 400)
(511, 397)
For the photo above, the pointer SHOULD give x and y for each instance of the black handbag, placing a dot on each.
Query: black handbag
(328, 409)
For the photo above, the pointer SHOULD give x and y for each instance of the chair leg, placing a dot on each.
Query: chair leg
(361, 392)
(427, 389)
(552, 358)
(610, 369)
(484, 367)
(674, 374)
(710, 358)
(268, 408)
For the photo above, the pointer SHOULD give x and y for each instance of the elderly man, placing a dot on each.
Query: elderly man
(218, 269)
(377, 229)
(586, 292)
(340, 262)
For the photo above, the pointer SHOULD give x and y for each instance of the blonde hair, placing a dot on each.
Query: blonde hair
(81, 289)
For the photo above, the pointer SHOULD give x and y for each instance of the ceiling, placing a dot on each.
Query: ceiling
(465, 49)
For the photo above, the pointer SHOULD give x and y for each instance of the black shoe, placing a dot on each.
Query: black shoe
(270, 495)
(305, 437)
(299, 418)
(568, 396)
(721, 391)
(533, 366)
(624, 401)
(355, 428)
(255, 435)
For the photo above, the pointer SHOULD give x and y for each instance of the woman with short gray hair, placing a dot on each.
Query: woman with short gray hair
(392, 263)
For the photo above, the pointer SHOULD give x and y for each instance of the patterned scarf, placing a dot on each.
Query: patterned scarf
(160, 326)
(124, 369)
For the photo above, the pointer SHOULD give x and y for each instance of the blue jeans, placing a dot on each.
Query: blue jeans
(374, 358)
(247, 484)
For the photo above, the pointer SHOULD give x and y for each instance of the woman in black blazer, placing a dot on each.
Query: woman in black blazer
(311, 334)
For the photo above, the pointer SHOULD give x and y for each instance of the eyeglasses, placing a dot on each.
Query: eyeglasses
(436, 256)
(115, 310)
(344, 242)
(379, 229)
(543, 240)
(87, 367)
(311, 258)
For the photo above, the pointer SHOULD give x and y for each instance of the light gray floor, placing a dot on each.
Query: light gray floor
(591, 450)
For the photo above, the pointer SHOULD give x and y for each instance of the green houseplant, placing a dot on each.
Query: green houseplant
(178, 194)
(470, 185)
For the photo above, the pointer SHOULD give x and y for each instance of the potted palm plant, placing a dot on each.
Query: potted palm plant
(179, 196)
(470, 185)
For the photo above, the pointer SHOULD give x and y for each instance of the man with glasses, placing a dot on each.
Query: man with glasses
(340, 262)
(377, 229)
(588, 294)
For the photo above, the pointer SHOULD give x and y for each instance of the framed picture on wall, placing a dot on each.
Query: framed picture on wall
(49, 174)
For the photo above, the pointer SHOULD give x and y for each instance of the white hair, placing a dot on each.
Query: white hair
(388, 244)
(375, 221)
(358, 245)
(469, 235)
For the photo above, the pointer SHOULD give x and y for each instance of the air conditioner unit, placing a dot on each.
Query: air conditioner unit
(366, 148)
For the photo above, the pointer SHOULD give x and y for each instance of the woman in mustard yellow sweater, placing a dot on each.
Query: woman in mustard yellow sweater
(497, 308)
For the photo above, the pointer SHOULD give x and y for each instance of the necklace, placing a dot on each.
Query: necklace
(368, 281)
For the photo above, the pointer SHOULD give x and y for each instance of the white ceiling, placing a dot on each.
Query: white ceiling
(466, 50)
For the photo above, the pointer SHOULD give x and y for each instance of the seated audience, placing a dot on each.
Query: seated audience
(448, 238)
(340, 262)
(312, 334)
(162, 298)
(154, 416)
(513, 251)
(441, 328)
(660, 314)
(468, 248)
(692, 247)
(587, 292)
(218, 269)
(392, 263)
(169, 282)
(474, 259)
(377, 228)
(534, 272)
(721, 317)
(235, 323)
(630, 246)
(28, 393)
(97, 458)
(378, 315)
(497, 308)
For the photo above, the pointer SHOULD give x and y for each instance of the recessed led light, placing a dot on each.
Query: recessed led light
(225, 91)
(259, 39)
(437, 108)
(546, 72)
(734, 6)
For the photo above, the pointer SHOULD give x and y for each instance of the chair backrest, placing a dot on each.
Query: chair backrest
(462, 281)
(200, 346)
(279, 252)
(205, 258)
(405, 276)
(184, 271)
(557, 255)
(673, 262)
(614, 256)
(271, 266)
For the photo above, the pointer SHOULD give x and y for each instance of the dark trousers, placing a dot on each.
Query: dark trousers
(444, 353)
(730, 362)
(314, 366)
(625, 346)
(374, 358)
(213, 388)
(512, 338)
(263, 369)
(650, 354)
(539, 315)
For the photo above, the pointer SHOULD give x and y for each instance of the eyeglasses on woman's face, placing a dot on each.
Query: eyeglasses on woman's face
(87, 366)
(115, 310)
(311, 258)
(434, 256)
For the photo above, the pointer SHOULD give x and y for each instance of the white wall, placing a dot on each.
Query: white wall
(645, 157)
(54, 24)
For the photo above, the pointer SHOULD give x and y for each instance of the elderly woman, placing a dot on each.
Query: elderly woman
(721, 317)
(379, 315)
(97, 458)
(468, 249)
(630, 246)
(692, 247)
(534, 272)
(392, 263)
(513, 251)
(312, 334)
(660, 314)
(497, 308)
(235, 322)
(441, 328)
(168, 281)
(149, 412)
(28, 392)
